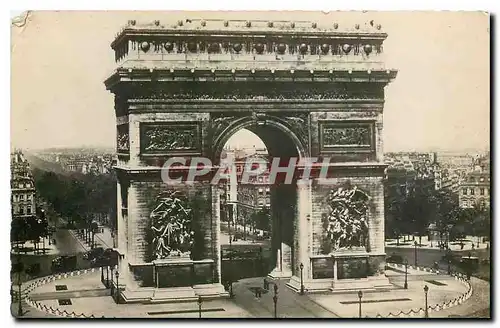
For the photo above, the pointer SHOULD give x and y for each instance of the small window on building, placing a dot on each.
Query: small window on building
(21, 185)
(472, 191)
(481, 191)
(21, 197)
(465, 191)
(21, 211)
(28, 210)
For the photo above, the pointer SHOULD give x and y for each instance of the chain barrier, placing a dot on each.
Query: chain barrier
(436, 307)
(49, 309)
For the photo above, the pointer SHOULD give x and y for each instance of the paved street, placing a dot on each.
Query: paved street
(290, 304)
(101, 239)
(245, 304)
(66, 243)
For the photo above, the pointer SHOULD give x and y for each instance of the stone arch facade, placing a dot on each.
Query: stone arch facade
(183, 90)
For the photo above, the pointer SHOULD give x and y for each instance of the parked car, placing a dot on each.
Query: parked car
(93, 253)
(63, 264)
(108, 257)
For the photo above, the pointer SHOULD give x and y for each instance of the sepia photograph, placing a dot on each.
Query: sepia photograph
(250, 165)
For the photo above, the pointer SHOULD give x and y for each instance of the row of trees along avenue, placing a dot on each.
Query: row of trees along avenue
(411, 214)
(79, 198)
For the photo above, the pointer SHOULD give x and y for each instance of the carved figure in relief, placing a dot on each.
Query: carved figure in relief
(163, 139)
(346, 136)
(122, 142)
(171, 225)
(347, 218)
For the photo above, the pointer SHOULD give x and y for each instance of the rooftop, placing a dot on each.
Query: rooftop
(241, 26)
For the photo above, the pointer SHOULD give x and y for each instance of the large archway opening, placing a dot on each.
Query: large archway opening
(258, 216)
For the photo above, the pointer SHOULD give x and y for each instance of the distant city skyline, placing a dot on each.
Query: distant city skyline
(438, 102)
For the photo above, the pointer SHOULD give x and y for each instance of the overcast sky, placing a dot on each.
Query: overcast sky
(439, 100)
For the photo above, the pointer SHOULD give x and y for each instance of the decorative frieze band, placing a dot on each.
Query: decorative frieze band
(257, 91)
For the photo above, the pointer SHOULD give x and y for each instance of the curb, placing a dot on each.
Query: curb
(436, 307)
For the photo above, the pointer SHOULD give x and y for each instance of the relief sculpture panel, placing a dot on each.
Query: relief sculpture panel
(352, 136)
(122, 139)
(170, 137)
(347, 218)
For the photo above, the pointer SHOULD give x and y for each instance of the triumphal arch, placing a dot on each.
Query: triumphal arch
(183, 89)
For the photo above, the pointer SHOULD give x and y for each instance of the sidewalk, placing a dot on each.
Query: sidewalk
(454, 246)
(29, 247)
(84, 296)
(478, 302)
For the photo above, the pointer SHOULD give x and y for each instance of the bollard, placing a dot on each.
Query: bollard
(199, 306)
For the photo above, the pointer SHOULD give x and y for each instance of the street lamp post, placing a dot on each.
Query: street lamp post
(117, 286)
(449, 226)
(301, 279)
(426, 312)
(19, 298)
(448, 259)
(112, 282)
(19, 284)
(275, 300)
(229, 213)
(360, 296)
(199, 306)
(416, 263)
(406, 274)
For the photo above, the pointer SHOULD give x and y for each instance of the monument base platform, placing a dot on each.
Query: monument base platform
(150, 295)
(375, 283)
(277, 274)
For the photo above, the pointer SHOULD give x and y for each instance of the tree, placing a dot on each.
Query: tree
(394, 219)
(447, 213)
(481, 220)
(419, 209)
(262, 219)
(19, 230)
